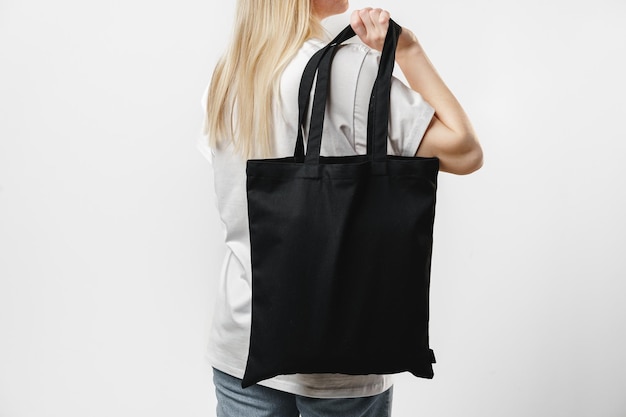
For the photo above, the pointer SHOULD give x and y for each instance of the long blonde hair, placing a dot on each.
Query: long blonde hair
(266, 35)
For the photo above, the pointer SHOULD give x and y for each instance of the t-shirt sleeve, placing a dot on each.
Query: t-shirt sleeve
(409, 115)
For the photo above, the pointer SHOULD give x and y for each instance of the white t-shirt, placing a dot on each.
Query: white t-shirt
(353, 73)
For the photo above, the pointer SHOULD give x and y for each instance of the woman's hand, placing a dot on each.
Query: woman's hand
(371, 26)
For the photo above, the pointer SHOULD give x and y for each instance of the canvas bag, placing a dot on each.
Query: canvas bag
(341, 246)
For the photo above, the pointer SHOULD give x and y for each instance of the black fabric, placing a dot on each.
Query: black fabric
(341, 247)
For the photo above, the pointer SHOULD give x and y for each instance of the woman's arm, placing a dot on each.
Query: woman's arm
(450, 136)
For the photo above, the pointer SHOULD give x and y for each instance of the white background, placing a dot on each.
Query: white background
(110, 241)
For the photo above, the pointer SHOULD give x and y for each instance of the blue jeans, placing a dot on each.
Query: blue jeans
(260, 401)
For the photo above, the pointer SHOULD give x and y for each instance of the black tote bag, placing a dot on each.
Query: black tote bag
(341, 247)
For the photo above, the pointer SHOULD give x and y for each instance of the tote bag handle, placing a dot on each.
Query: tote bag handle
(306, 84)
(378, 114)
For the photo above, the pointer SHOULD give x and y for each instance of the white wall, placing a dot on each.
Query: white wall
(109, 238)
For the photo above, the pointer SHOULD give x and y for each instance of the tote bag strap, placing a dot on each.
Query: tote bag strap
(378, 114)
(306, 84)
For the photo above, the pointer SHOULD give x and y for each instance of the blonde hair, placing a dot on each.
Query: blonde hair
(266, 36)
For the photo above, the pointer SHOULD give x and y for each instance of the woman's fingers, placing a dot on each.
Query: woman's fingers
(357, 23)
(368, 18)
(371, 26)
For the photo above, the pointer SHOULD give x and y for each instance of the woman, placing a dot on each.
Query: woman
(252, 112)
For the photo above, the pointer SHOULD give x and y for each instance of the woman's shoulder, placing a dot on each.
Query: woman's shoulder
(352, 61)
(354, 67)
(347, 51)
(357, 55)
(357, 49)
